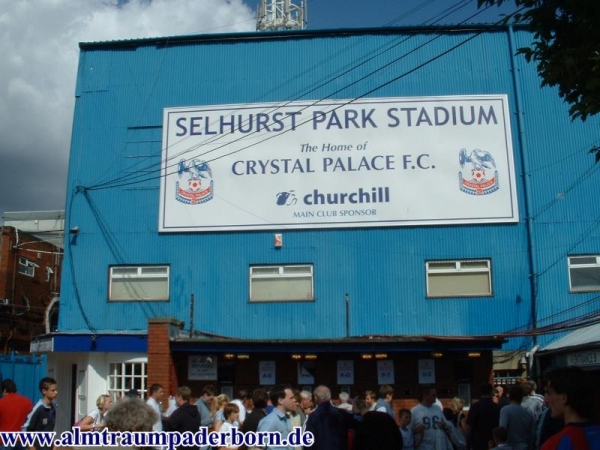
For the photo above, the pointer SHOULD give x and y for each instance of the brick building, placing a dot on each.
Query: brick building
(30, 268)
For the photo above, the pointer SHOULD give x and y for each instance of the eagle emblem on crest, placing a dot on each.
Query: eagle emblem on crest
(479, 180)
(195, 185)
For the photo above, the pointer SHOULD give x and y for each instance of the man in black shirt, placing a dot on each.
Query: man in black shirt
(483, 417)
(186, 417)
(260, 398)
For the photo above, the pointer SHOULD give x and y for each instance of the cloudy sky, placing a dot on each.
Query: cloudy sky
(39, 53)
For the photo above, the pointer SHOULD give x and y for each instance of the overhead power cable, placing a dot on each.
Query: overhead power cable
(396, 42)
(141, 178)
(314, 69)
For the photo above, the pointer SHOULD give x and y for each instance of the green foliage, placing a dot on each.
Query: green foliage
(566, 48)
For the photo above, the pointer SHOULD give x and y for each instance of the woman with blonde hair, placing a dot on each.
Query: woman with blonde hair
(216, 410)
(94, 420)
(459, 418)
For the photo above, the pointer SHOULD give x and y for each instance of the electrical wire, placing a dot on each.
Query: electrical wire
(314, 68)
(74, 284)
(143, 177)
(583, 177)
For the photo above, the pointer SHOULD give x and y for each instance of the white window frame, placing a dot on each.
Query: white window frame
(27, 267)
(146, 272)
(123, 376)
(464, 392)
(574, 265)
(49, 273)
(282, 274)
(460, 268)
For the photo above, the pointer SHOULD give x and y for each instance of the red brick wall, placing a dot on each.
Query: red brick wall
(21, 320)
(160, 363)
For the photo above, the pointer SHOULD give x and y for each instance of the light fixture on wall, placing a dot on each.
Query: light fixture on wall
(523, 365)
(366, 356)
(243, 356)
(381, 355)
(74, 232)
(437, 354)
(474, 354)
(296, 356)
(310, 356)
(228, 356)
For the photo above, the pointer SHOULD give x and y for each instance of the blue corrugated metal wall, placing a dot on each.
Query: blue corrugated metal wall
(26, 371)
(122, 90)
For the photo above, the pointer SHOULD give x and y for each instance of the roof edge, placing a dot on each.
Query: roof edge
(288, 34)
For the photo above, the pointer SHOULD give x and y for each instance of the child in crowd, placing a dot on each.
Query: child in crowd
(231, 414)
(500, 435)
(43, 415)
(408, 440)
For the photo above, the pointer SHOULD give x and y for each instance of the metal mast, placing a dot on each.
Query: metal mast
(281, 15)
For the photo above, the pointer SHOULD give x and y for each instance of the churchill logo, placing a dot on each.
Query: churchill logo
(477, 182)
(286, 198)
(195, 183)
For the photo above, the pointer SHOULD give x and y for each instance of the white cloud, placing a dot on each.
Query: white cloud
(39, 53)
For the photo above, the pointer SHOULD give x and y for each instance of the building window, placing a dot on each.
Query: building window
(584, 273)
(464, 392)
(125, 376)
(27, 267)
(148, 283)
(281, 283)
(49, 273)
(459, 278)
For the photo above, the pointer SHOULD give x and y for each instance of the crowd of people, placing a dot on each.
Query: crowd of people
(566, 417)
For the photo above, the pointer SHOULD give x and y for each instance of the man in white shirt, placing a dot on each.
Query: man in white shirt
(155, 395)
(427, 422)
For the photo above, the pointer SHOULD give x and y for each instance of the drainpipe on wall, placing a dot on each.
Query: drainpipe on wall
(191, 334)
(526, 187)
(14, 251)
(347, 315)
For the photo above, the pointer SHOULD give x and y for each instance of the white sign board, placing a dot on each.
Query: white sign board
(306, 372)
(266, 373)
(202, 367)
(385, 371)
(345, 371)
(41, 346)
(426, 371)
(583, 359)
(334, 164)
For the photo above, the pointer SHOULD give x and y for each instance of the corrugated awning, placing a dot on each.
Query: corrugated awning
(353, 344)
(584, 337)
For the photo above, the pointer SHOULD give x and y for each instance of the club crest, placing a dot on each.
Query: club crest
(477, 182)
(195, 185)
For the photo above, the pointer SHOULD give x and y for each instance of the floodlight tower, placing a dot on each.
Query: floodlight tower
(281, 15)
